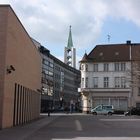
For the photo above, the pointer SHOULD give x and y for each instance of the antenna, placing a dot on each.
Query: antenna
(108, 38)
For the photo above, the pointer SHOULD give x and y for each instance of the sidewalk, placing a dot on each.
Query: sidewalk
(22, 132)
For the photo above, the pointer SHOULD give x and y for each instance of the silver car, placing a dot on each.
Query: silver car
(103, 109)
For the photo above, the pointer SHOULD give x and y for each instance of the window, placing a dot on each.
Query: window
(116, 66)
(120, 82)
(86, 67)
(86, 84)
(106, 67)
(51, 65)
(106, 82)
(95, 82)
(82, 83)
(123, 82)
(120, 66)
(82, 67)
(117, 82)
(95, 67)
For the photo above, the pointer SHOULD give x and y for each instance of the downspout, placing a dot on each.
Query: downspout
(131, 89)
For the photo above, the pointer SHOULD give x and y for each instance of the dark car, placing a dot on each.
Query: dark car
(133, 111)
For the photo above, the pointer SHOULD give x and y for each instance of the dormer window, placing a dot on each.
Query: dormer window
(101, 54)
(116, 53)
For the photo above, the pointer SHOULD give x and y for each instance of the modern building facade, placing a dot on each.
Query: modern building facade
(47, 80)
(60, 82)
(20, 72)
(110, 75)
(70, 52)
(66, 84)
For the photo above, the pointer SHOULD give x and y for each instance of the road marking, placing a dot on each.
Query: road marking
(120, 120)
(101, 138)
(78, 125)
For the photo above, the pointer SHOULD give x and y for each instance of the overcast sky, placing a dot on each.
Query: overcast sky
(48, 22)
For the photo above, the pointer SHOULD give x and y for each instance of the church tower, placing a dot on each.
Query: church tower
(70, 52)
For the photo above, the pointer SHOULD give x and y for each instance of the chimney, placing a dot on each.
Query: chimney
(128, 42)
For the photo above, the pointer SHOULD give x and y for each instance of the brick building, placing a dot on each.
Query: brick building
(20, 72)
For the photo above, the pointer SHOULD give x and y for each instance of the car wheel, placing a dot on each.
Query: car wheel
(94, 113)
(109, 113)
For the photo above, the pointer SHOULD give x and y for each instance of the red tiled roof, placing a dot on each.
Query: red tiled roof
(113, 53)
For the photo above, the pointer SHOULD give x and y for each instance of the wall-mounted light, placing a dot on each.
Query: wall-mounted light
(10, 69)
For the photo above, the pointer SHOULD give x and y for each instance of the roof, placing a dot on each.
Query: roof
(85, 58)
(70, 42)
(113, 53)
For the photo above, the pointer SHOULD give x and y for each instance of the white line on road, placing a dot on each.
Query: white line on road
(101, 138)
(119, 119)
(78, 125)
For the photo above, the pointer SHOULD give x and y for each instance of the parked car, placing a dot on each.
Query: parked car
(133, 111)
(103, 109)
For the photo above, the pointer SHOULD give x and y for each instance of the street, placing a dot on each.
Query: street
(78, 127)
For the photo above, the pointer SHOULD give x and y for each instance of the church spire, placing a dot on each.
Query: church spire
(70, 42)
(70, 52)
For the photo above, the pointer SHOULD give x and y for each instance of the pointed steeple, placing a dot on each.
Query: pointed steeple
(85, 58)
(70, 42)
(70, 52)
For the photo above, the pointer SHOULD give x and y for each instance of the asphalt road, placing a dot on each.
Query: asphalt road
(77, 127)
(84, 127)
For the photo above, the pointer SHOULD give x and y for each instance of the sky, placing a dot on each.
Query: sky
(48, 21)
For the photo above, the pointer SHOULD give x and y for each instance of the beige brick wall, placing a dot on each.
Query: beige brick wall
(3, 24)
(24, 56)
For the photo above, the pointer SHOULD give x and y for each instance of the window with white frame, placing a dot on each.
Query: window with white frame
(117, 82)
(95, 82)
(123, 82)
(123, 67)
(106, 82)
(120, 66)
(106, 67)
(120, 82)
(95, 67)
(116, 66)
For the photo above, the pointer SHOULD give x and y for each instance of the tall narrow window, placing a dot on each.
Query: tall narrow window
(82, 83)
(106, 82)
(95, 67)
(106, 67)
(117, 82)
(86, 84)
(86, 67)
(82, 67)
(95, 82)
(123, 82)
(123, 67)
(116, 66)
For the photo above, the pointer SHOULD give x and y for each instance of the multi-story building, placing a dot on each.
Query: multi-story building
(47, 79)
(66, 84)
(110, 75)
(20, 72)
(60, 82)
